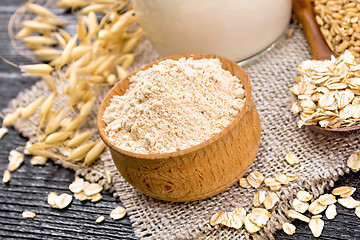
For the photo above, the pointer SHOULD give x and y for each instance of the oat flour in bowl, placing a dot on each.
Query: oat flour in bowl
(173, 105)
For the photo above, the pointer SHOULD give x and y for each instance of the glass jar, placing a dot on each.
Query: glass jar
(235, 29)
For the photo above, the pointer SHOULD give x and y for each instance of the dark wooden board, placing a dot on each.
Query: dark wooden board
(30, 185)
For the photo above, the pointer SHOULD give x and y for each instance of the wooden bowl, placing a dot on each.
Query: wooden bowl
(199, 171)
(320, 51)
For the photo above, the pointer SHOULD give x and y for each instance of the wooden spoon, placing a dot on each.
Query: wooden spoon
(320, 51)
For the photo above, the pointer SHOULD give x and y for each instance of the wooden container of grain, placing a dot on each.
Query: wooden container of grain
(199, 171)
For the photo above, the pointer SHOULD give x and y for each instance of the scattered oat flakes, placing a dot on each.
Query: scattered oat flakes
(96, 197)
(291, 159)
(52, 199)
(272, 184)
(250, 226)
(291, 177)
(63, 200)
(304, 196)
(259, 219)
(270, 200)
(216, 218)
(349, 193)
(260, 211)
(259, 198)
(296, 215)
(259, 216)
(3, 131)
(244, 183)
(6, 177)
(77, 185)
(28, 214)
(300, 206)
(15, 160)
(100, 219)
(108, 176)
(282, 178)
(330, 212)
(289, 32)
(327, 199)
(353, 162)
(357, 211)
(255, 179)
(240, 211)
(118, 213)
(349, 202)
(316, 207)
(316, 226)
(92, 189)
(288, 228)
(38, 160)
(81, 196)
(343, 191)
(234, 219)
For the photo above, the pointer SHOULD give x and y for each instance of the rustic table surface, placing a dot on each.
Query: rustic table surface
(30, 185)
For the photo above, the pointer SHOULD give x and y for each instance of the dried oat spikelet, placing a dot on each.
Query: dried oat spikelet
(54, 121)
(66, 54)
(81, 151)
(57, 137)
(79, 138)
(28, 111)
(40, 10)
(131, 43)
(11, 118)
(49, 80)
(36, 69)
(94, 153)
(37, 25)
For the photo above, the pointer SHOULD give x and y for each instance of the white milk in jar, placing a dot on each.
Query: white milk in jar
(235, 29)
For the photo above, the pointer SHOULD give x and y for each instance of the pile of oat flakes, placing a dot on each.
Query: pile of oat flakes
(265, 202)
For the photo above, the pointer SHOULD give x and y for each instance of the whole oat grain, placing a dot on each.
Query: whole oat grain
(174, 105)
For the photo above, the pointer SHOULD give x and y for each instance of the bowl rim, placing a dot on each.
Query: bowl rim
(155, 156)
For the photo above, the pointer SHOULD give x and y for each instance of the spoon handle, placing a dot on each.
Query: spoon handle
(318, 46)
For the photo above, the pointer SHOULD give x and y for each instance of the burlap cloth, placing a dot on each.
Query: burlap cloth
(322, 159)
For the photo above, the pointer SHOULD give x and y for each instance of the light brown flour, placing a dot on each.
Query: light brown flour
(174, 105)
